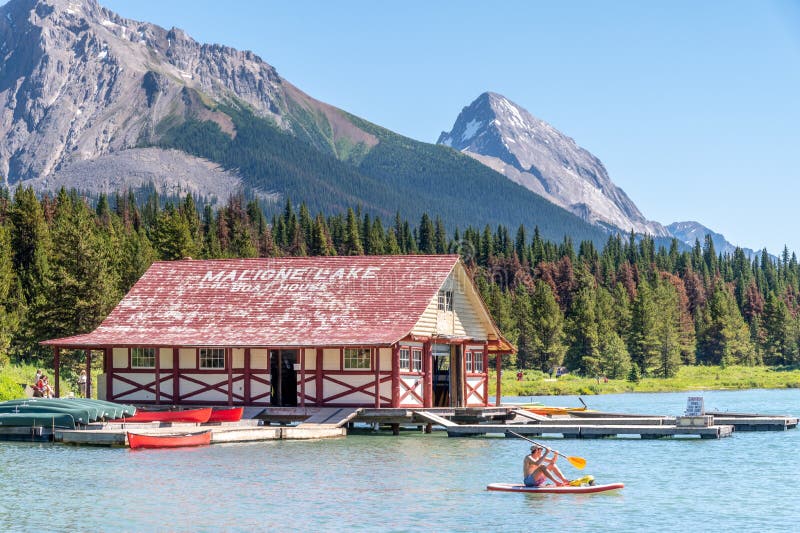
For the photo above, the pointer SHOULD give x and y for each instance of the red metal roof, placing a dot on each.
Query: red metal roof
(296, 301)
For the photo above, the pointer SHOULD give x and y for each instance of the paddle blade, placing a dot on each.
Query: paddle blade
(577, 462)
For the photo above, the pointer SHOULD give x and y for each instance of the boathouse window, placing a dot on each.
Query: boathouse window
(416, 361)
(405, 359)
(212, 358)
(356, 359)
(477, 362)
(445, 300)
(143, 357)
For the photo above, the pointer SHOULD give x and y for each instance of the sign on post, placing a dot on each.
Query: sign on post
(694, 406)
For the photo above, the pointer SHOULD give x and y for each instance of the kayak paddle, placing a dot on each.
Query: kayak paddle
(577, 462)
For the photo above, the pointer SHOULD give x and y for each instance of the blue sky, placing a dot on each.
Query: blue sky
(693, 107)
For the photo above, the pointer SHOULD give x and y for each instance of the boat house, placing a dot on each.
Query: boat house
(366, 331)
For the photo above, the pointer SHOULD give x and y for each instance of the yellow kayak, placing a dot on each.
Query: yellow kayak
(551, 410)
(545, 410)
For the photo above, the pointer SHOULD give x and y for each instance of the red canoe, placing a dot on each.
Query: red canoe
(226, 415)
(136, 440)
(191, 415)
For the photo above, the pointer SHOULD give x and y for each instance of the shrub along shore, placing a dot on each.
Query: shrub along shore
(687, 378)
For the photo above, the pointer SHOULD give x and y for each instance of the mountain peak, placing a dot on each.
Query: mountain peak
(506, 137)
(78, 82)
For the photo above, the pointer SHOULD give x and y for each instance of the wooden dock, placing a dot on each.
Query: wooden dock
(243, 431)
(26, 434)
(606, 425)
(595, 431)
(330, 417)
(755, 422)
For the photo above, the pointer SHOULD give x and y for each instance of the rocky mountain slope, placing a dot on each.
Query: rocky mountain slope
(78, 82)
(531, 152)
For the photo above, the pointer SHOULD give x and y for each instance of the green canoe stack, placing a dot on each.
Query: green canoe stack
(63, 413)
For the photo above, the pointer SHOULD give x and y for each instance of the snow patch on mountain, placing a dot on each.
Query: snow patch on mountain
(470, 130)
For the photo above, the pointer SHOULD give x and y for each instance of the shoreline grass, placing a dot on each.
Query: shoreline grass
(688, 378)
(535, 383)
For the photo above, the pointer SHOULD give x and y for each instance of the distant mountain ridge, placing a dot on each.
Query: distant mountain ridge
(531, 152)
(691, 232)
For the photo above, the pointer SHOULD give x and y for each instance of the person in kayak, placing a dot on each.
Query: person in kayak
(537, 468)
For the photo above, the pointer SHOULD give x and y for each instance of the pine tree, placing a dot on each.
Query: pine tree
(634, 375)
(138, 254)
(30, 242)
(547, 329)
(643, 343)
(172, 237)
(686, 328)
(614, 360)
(103, 211)
(725, 338)
(667, 331)
(522, 313)
(306, 223)
(778, 346)
(321, 243)
(240, 236)
(211, 249)
(352, 239)
(83, 288)
(376, 237)
(10, 306)
(499, 305)
(440, 237)
(427, 240)
(583, 352)
(392, 246)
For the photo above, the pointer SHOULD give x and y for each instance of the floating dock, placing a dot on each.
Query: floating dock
(586, 425)
(293, 423)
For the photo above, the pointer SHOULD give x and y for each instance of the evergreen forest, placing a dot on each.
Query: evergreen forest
(396, 175)
(628, 309)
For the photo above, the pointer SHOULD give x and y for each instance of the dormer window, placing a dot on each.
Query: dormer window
(445, 300)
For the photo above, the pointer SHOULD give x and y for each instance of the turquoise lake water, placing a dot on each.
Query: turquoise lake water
(416, 482)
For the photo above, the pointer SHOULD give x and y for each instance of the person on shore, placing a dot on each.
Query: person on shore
(82, 383)
(47, 390)
(537, 468)
(38, 385)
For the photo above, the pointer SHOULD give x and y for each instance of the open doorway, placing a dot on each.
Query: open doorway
(283, 378)
(448, 375)
(441, 375)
